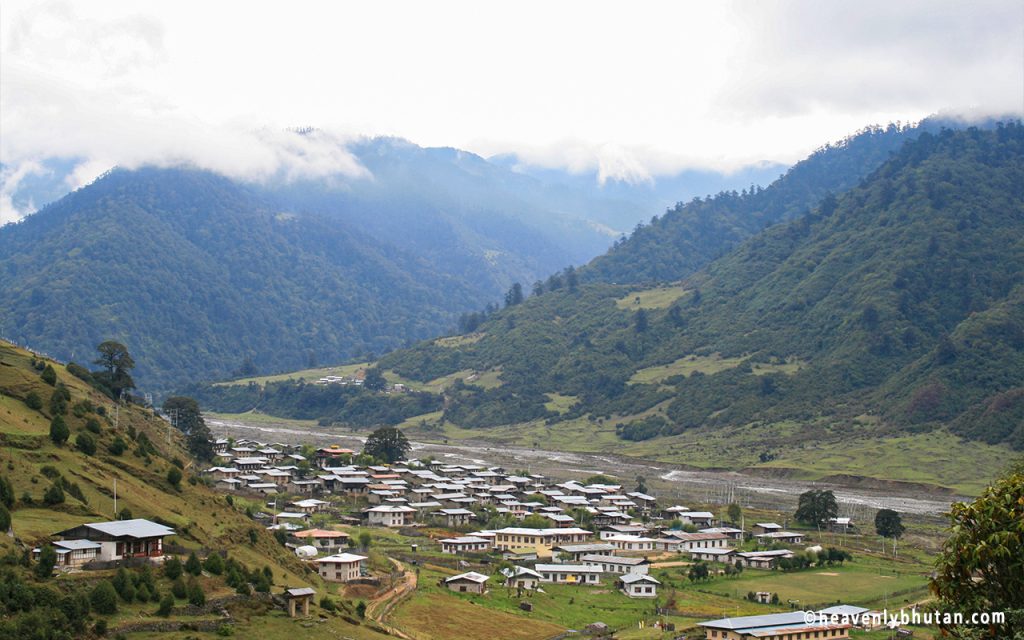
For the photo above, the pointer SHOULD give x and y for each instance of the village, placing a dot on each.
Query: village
(474, 531)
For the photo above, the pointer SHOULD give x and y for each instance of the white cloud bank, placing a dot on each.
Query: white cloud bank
(627, 91)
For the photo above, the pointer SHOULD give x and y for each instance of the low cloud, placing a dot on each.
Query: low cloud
(624, 93)
(876, 56)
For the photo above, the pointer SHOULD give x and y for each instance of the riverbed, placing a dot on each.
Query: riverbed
(678, 484)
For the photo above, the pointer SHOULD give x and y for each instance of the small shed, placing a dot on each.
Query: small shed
(470, 582)
(298, 600)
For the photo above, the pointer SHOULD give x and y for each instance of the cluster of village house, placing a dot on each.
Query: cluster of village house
(404, 495)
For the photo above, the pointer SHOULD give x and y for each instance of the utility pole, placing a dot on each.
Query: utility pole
(115, 498)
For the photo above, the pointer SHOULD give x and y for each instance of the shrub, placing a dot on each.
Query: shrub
(214, 564)
(49, 376)
(192, 564)
(361, 609)
(5, 519)
(54, 495)
(172, 568)
(59, 431)
(195, 593)
(166, 605)
(47, 559)
(327, 604)
(6, 492)
(33, 401)
(179, 589)
(92, 424)
(85, 443)
(103, 598)
(174, 477)
(118, 446)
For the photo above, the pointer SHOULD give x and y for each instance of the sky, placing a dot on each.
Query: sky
(630, 90)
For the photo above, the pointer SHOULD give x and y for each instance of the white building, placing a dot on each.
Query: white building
(391, 516)
(569, 573)
(636, 585)
(342, 567)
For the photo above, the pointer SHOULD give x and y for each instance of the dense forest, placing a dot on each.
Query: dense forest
(196, 273)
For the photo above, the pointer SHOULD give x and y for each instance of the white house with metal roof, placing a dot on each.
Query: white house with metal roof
(120, 539)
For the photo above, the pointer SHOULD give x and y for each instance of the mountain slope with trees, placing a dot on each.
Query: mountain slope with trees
(900, 300)
(196, 273)
(691, 235)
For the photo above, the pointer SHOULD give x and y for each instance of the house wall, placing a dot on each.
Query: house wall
(338, 571)
(466, 586)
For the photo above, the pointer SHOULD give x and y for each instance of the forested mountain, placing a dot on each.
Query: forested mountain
(692, 234)
(199, 274)
(899, 300)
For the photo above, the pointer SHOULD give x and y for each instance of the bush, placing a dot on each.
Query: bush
(166, 605)
(214, 564)
(47, 559)
(118, 446)
(59, 431)
(6, 492)
(5, 519)
(85, 443)
(192, 565)
(174, 477)
(103, 598)
(49, 376)
(172, 568)
(195, 593)
(92, 424)
(361, 609)
(327, 604)
(54, 495)
(33, 401)
(179, 589)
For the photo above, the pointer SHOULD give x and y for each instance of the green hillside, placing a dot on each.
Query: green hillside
(33, 465)
(691, 235)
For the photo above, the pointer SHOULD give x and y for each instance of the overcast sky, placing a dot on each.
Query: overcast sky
(635, 89)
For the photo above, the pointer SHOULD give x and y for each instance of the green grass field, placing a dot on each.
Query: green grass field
(685, 366)
(459, 341)
(305, 374)
(867, 584)
(559, 403)
(657, 298)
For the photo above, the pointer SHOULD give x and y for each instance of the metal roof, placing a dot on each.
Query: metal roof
(472, 576)
(137, 528)
(746, 623)
(630, 578)
(343, 558)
